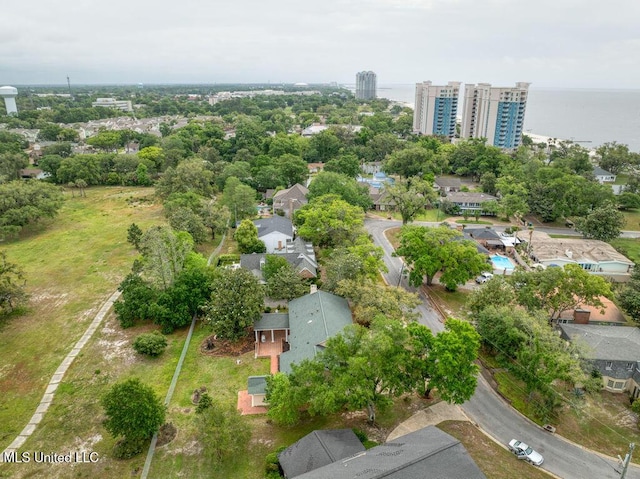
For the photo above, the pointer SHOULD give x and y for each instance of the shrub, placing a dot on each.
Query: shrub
(204, 403)
(151, 344)
(127, 448)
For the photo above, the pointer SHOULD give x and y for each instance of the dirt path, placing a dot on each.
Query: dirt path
(56, 379)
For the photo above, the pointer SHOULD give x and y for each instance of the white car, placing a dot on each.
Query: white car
(523, 451)
(483, 278)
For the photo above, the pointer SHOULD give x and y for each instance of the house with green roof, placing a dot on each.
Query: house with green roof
(300, 334)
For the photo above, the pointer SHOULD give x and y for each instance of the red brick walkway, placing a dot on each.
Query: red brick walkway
(244, 405)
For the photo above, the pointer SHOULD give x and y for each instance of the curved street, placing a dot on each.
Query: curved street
(488, 410)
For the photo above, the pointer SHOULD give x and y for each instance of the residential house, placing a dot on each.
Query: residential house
(290, 200)
(425, 453)
(469, 201)
(380, 199)
(302, 332)
(275, 232)
(33, 173)
(614, 351)
(594, 256)
(371, 167)
(304, 263)
(318, 449)
(608, 314)
(315, 167)
(603, 176)
(446, 185)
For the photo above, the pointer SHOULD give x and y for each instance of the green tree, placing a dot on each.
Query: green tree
(106, 140)
(348, 189)
(26, 202)
(237, 300)
(215, 216)
(79, 167)
(152, 344)
(555, 290)
(347, 165)
(223, 432)
(410, 197)
(370, 298)
(615, 157)
(12, 285)
(164, 253)
(284, 407)
(189, 175)
(133, 410)
(272, 264)
(323, 147)
(287, 284)
(628, 201)
(246, 236)
(629, 296)
(413, 161)
(184, 219)
(239, 198)
(604, 223)
(10, 166)
(292, 169)
(361, 261)
(428, 251)
(329, 221)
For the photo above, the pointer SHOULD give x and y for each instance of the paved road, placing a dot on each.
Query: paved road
(491, 412)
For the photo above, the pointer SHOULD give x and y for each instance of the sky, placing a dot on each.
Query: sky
(550, 43)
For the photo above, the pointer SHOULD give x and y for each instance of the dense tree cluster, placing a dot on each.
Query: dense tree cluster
(365, 368)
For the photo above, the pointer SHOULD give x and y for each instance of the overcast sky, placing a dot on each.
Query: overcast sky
(551, 43)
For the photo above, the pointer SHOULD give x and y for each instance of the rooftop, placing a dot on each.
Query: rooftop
(614, 343)
(272, 224)
(468, 196)
(577, 250)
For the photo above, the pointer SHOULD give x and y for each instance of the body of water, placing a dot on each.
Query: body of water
(591, 117)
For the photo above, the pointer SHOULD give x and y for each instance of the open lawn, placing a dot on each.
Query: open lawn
(72, 264)
(630, 247)
(632, 220)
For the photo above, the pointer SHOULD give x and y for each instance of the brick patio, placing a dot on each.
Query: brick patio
(244, 405)
(269, 348)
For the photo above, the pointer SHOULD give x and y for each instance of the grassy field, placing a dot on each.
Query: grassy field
(72, 265)
(632, 220)
(630, 247)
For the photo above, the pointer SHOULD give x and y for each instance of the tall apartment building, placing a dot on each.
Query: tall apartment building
(436, 109)
(366, 85)
(494, 113)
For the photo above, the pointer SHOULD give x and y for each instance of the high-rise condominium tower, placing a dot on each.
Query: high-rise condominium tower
(436, 108)
(366, 85)
(494, 113)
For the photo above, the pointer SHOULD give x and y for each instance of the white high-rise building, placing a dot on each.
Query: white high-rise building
(494, 113)
(9, 94)
(366, 85)
(436, 109)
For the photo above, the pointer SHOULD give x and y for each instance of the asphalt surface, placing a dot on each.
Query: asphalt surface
(490, 411)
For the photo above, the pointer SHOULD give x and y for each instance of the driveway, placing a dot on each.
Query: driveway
(490, 411)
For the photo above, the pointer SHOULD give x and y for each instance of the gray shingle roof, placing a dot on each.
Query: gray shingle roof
(274, 223)
(612, 343)
(428, 453)
(597, 171)
(299, 261)
(313, 319)
(257, 384)
(482, 233)
(318, 449)
(270, 321)
(450, 182)
(297, 193)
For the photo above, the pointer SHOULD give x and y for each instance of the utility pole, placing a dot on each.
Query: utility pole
(69, 85)
(627, 460)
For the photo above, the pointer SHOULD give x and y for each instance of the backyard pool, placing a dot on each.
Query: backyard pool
(502, 262)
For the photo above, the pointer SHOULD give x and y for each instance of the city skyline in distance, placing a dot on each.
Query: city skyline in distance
(553, 44)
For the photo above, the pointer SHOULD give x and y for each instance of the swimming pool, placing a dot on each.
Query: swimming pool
(502, 262)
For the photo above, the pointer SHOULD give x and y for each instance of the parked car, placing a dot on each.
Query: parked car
(483, 278)
(525, 452)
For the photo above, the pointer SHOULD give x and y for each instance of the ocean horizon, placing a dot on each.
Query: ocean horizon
(588, 116)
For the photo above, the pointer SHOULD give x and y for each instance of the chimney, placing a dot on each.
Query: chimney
(581, 316)
(313, 289)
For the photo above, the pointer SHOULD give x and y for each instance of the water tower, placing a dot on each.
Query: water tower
(9, 94)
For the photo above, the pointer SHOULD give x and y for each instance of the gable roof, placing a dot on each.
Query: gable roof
(313, 318)
(483, 233)
(443, 181)
(297, 192)
(428, 453)
(613, 343)
(275, 223)
(299, 262)
(270, 321)
(257, 385)
(469, 197)
(597, 171)
(318, 449)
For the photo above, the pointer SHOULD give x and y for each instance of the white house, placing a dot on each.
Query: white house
(275, 232)
(603, 176)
